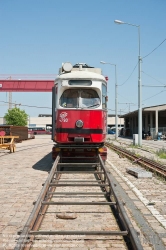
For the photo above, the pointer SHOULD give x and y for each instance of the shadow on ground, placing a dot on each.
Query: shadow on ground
(45, 164)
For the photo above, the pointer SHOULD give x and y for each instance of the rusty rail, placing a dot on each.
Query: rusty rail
(143, 161)
(44, 200)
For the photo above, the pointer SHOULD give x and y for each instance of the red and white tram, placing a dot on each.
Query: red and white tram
(79, 112)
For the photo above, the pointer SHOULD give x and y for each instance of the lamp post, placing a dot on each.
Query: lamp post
(139, 83)
(116, 99)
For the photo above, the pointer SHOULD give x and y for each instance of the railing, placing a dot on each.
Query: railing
(161, 130)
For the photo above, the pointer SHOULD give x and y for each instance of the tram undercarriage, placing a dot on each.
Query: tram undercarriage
(79, 153)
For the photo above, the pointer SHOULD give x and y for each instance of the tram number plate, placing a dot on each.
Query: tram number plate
(79, 150)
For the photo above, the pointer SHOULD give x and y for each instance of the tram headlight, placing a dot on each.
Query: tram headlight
(67, 67)
(79, 124)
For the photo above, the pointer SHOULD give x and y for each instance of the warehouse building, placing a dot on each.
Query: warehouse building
(153, 121)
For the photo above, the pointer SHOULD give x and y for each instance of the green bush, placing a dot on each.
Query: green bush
(16, 117)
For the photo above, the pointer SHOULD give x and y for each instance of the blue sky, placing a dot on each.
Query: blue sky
(38, 35)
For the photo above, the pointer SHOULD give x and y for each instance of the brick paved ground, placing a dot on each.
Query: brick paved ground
(142, 191)
(21, 176)
(88, 218)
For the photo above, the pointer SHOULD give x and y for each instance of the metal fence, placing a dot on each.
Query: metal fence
(161, 130)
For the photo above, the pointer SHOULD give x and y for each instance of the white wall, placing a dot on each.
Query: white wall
(39, 121)
(111, 121)
(2, 120)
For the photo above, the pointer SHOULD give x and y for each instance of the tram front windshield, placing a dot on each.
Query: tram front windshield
(82, 98)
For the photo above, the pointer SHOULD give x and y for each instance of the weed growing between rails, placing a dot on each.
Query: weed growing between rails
(135, 146)
(161, 153)
(109, 140)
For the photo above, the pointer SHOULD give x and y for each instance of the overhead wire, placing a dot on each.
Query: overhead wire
(143, 58)
(129, 75)
(114, 110)
(153, 78)
(118, 84)
(125, 98)
(24, 105)
(157, 81)
(144, 72)
(154, 95)
(155, 49)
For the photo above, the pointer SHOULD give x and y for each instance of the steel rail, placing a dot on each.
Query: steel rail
(143, 161)
(77, 184)
(102, 174)
(119, 207)
(123, 233)
(33, 216)
(78, 203)
(76, 193)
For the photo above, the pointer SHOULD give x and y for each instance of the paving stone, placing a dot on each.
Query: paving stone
(21, 177)
(139, 172)
(22, 187)
(151, 189)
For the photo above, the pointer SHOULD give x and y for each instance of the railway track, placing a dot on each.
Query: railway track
(151, 144)
(79, 205)
(143, 161)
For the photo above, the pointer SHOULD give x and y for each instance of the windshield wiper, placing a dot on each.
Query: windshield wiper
(93, 105)
(86, 107)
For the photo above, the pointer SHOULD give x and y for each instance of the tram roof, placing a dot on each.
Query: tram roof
(81, 75)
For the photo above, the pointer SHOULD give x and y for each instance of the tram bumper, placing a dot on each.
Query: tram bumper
(79, 154)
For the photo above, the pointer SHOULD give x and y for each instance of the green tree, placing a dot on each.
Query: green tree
(16, 117)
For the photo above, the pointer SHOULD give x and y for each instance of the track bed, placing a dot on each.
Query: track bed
(78, 208)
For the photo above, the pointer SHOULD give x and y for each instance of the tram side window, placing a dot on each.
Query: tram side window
(69, 99)
(104, 94)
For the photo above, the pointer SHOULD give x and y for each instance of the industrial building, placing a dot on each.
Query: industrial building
(153, 121)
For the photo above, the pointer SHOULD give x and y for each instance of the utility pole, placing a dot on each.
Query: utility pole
(10, 97)
(116, 99)
(10, 100)
(139, 82)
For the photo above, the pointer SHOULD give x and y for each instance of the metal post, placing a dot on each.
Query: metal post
(139, 83)
(120, 119)
(116, 99)
(139, 94)
(10, 100)
(116, 104)
(10, 96)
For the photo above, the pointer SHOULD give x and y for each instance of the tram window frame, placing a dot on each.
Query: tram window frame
(104, 95)
(67, 101)
(80, 82)
(95, 100)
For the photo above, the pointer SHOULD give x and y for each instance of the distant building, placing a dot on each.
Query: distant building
(44, 115)
(2, 121)
(111, 121)
(45, 120)
(153, 120)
